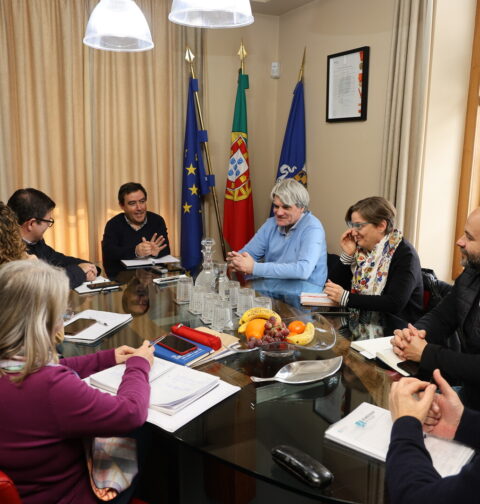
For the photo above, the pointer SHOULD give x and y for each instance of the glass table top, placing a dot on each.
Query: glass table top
(242, 430)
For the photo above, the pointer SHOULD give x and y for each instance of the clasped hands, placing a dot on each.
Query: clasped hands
(241, 262)
(150, 247)
(409, 343)
(90, 271)
(439, 414)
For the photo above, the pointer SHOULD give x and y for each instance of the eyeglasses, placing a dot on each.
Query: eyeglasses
(51, 222)
(357, 225)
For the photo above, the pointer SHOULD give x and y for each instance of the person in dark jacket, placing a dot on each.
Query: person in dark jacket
(410, 475)
(34, 213)
(135, 233)
(426, 342)
(378, 270)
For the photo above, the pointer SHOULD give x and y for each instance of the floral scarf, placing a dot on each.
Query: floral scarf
(370, 269)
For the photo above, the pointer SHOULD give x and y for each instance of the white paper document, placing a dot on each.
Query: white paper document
(149, 261)
(315, 299)
(367, 429)
(178, 393)
(97, 283)
(104, 324)
(382, 349)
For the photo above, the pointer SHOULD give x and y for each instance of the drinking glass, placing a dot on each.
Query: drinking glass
(208, 305)
(222, 315)
(262, 302)
(184, 290)
(233, 288)
(196, 299)
(245, 300)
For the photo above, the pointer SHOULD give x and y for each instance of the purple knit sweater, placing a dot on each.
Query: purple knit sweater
(43, 421)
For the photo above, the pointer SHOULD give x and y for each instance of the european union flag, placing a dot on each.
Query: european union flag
(195, 184)
(293, 155)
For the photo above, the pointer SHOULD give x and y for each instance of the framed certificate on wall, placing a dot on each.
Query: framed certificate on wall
(347, 85)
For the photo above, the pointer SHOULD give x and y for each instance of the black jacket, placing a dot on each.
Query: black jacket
(460, 311)
(410, 475)
(70, 264)
(403, 292)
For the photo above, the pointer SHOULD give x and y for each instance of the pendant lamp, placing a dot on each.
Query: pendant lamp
(211, 13)
(118, 25)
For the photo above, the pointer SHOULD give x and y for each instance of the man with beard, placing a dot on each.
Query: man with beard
(458, 311)
(135, 233)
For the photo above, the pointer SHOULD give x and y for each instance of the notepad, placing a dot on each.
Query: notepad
(173, 387)
(104, 324)
(149, 261)
(381, 348)
(367, 430)
(316, 299)
(84, 289)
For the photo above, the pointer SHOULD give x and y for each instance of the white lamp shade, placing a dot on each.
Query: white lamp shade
(211, 13)
(118, 25)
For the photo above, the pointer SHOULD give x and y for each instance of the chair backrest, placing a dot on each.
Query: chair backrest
(8, 492)
(434, 290)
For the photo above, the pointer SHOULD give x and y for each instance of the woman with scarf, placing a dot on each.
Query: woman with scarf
(378, 269)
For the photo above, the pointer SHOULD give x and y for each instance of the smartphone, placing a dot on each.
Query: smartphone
(102, 285)
(177, 345)
(409, 366)
(78, 326)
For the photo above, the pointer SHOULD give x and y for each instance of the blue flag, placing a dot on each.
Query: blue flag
(293, 155)
(195, 184)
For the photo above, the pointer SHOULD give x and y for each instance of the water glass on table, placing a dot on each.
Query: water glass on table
(184, 290)
(233, 288)
(262, 302)
(245, 300)
(222, 315)
(196, 299)
(208, 305)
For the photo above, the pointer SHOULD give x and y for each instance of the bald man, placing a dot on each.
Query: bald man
(458, 311)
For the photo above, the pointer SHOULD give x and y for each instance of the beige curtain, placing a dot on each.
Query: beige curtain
(77, 123)
(403, 144)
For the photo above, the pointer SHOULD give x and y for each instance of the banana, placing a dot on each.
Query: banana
(263, 313)
(242, 328)
(303, 338)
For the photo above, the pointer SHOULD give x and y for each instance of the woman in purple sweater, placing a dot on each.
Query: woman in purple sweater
(46, 408)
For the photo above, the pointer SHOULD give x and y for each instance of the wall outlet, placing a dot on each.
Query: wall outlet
(275, 70)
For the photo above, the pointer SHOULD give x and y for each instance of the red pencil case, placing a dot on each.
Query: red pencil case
(199, 336)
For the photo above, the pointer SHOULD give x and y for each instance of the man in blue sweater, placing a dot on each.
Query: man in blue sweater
(291, 244)
(135, 233)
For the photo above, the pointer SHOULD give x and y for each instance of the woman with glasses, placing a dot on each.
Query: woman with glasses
(47, 410)
(378, 269)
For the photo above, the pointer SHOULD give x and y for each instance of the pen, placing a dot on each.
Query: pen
(156, 340)
(99, 321)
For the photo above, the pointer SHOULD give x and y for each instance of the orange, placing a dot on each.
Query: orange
(255, 328)
(296, 327)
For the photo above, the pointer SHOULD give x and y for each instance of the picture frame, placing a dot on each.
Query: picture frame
(347, 85)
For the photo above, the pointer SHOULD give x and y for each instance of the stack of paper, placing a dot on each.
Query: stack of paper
(315, 299)
(173, 387)
(367, 429)
(104, 323)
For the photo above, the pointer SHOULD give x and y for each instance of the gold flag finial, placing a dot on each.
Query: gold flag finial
(243, 54)
(300, 74)
(189, 57)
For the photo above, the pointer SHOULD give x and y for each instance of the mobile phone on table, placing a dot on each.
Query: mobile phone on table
(78, 326)
(409, 366)
(102, 285)
(177, 344)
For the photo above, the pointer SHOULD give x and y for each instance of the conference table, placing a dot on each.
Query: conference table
(224, 455)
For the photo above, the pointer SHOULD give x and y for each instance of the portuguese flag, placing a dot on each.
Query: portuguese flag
(238, 203)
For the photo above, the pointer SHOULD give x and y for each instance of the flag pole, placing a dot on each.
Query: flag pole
(300, 74)
(189, 57)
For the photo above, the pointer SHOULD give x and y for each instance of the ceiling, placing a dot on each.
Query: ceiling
(276, 7)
